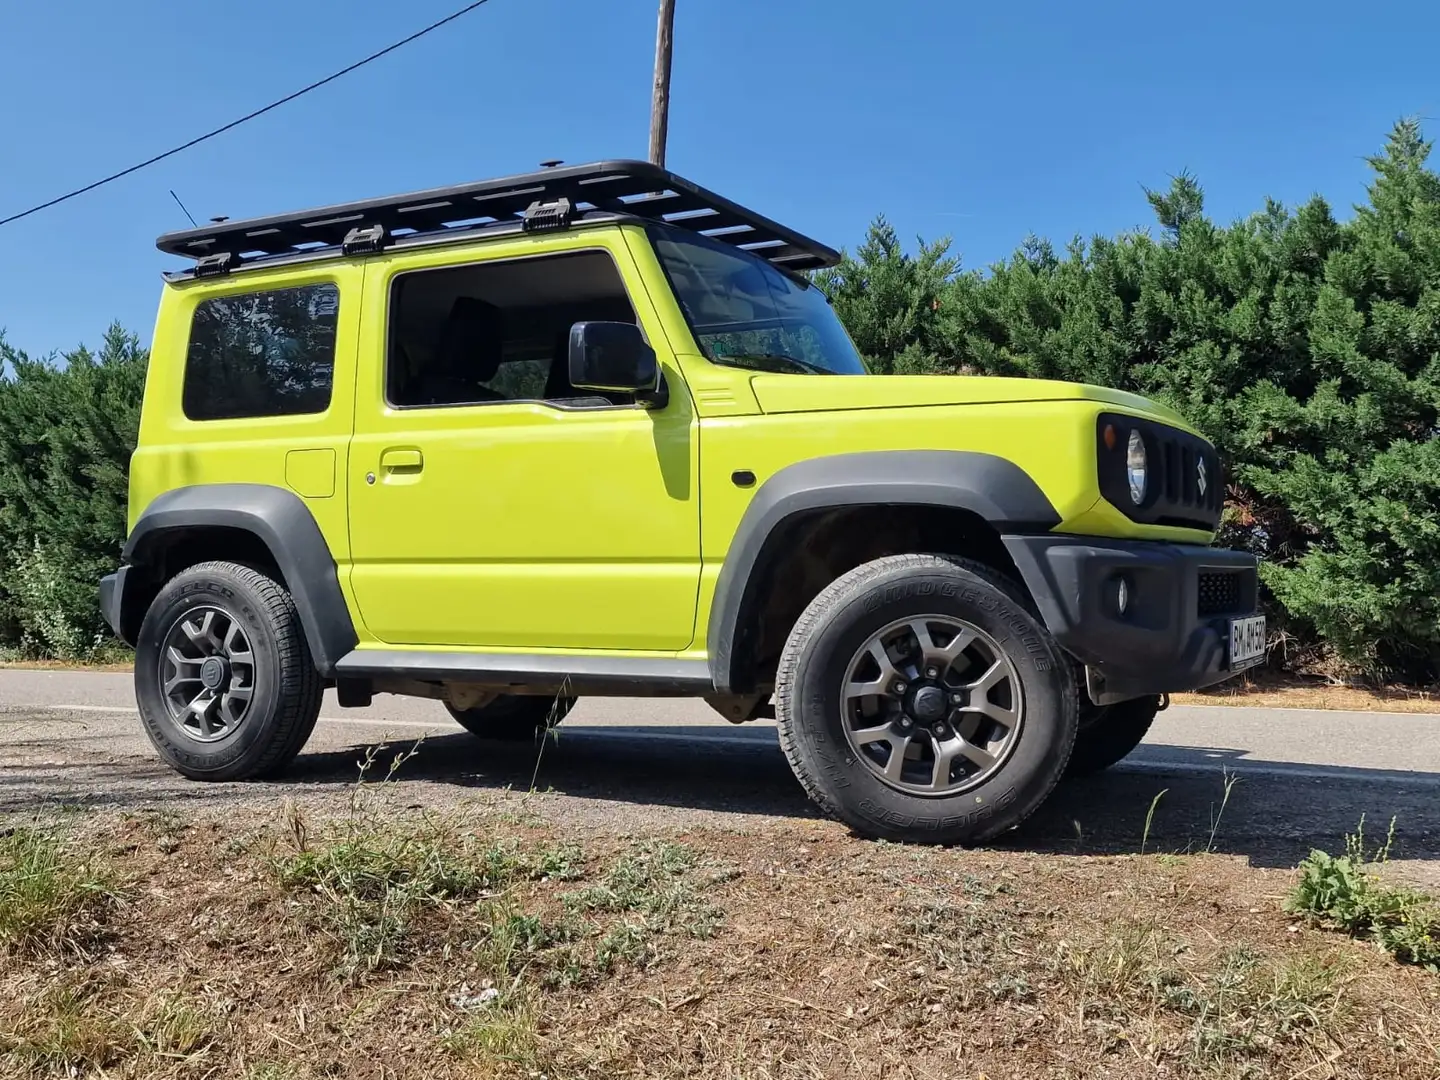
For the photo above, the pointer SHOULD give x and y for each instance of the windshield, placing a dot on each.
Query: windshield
(746, 313)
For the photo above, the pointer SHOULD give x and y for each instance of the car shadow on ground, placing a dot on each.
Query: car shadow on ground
(1275, 813)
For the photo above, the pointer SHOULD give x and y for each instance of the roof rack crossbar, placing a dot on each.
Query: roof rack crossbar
(629, 188)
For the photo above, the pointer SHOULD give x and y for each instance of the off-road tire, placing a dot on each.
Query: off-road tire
(513, 717)
(1110, 733)
(810, 713)
(288, 688)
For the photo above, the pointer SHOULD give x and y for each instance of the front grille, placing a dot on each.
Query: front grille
(1218, 592)
(1186, 488)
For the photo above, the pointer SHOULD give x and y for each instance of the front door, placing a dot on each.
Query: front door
(493, 505)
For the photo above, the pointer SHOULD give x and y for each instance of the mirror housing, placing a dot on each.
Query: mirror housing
(613, 358)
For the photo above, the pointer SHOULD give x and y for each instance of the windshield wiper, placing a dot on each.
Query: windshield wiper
(774, 362)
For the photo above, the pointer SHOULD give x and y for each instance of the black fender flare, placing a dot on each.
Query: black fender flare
(996, 490)
(281, 521)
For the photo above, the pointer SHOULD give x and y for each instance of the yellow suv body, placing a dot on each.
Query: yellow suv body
(593, 431)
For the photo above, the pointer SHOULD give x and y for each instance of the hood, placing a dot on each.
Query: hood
(827, 393)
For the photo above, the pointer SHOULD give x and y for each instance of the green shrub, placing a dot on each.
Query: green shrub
(1306, 348)
(67, 430)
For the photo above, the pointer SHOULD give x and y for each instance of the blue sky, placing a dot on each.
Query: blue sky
(982, 121)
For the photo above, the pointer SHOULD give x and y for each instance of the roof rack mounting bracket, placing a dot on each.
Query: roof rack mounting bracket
(540, 216)
(363, 239)
(214, 265)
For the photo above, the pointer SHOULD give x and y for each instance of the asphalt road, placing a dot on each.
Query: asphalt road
(665, 766)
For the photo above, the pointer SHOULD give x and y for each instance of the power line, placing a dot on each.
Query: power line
(248, 116)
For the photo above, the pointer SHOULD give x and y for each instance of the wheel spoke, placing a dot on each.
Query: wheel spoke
(976, 754)
(203, 636)
(882, 685)
(896, 765)
(992, 678)
(936, 656)
(945, 754)
(236, 647)
(199, 708)
(178, 680)
(962, 640)
(179, 659)
(866, 736)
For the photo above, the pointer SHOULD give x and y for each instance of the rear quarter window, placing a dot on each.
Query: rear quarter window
(260, 354)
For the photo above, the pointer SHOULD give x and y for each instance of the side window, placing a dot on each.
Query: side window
(498, 331)
(262, 354)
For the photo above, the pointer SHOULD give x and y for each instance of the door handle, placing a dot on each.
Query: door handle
(402, 461)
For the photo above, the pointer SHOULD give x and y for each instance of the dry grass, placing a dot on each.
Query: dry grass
(1272, 691)
(407, 945)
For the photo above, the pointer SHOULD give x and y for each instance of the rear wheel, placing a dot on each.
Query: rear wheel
(919, 699)
(1108, 733)
(224, 679)
(513, 717)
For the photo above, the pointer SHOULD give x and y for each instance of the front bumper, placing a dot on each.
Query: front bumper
(1174, 633)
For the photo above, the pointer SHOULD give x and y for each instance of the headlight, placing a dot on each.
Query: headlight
(1136, 467)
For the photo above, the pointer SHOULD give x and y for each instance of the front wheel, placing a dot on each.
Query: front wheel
(1108, 733)
(918, 699)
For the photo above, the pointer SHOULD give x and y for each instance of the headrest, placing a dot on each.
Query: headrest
(472, 341)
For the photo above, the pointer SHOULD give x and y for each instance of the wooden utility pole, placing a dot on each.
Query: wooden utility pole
(660, 102)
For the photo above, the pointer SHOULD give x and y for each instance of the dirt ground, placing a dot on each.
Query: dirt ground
(383, 941)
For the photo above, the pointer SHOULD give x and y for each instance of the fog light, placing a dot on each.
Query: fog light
(1122, 595)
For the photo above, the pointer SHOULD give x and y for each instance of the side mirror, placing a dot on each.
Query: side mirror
(613, 358)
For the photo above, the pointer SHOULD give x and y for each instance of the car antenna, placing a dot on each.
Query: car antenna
(187, 213)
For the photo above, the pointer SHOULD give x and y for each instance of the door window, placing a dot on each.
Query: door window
(499, 331)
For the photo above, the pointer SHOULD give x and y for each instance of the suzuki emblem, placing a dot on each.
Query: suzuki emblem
(1200, 476)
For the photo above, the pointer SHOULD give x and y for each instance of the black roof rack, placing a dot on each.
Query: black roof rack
(550, 198)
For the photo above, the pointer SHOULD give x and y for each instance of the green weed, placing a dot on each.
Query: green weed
(1149, 818)
(49, 897)
(66, 1030)
(370, 884)
(502, 1032)
(1348, 892)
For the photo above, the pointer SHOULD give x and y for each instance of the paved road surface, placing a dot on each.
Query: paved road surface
(631, 765)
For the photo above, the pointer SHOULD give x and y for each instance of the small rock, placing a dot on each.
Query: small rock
(464, 999)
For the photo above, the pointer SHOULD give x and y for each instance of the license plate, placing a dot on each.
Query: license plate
(1247, 642)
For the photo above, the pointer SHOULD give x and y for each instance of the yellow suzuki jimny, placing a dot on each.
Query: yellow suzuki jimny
(593, 431)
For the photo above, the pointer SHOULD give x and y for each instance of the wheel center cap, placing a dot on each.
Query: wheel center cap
(213, 673)
(928, 704)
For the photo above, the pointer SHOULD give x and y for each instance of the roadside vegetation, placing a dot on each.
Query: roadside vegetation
(1302, 341)
(1350, 893)
(296, 945)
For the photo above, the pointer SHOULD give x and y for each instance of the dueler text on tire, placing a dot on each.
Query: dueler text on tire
(919, 699)
(1108, 733)
(223, 676)
(513, 717)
